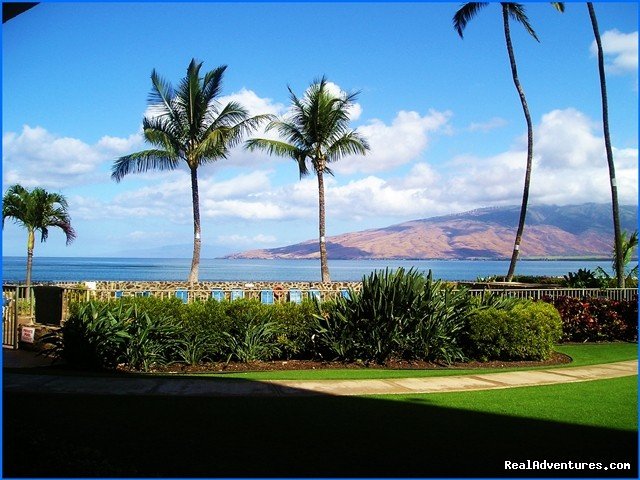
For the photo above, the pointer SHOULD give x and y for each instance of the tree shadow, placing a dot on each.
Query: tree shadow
(298, 435)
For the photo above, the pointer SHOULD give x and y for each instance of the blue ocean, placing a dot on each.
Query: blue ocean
(53, 269)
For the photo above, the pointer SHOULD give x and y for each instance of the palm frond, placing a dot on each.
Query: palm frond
(517, 12)
(465, 14)
(559, 6)
(272, 147)
(142, 162)
(350, 144)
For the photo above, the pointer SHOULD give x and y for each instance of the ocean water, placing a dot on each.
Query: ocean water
(52, 269)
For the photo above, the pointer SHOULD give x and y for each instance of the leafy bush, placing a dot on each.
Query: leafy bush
(597, 319)
(526, 331)
(202, 332)
(94, 336)
(396, 314)
(257, 342)
(584, 278)
(296, 327)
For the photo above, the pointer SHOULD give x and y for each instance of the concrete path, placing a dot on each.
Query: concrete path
(23, 381)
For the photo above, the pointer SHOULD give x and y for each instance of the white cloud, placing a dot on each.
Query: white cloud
(393, 145)
(491, 124)
(570, 167)
(620, 50)
(253, 103)
(243, 240)
(36, 157)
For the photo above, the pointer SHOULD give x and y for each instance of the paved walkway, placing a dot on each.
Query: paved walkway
(26, 381)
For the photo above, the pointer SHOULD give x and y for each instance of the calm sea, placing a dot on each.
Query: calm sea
(50, 269)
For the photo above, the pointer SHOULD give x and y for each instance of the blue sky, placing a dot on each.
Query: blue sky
(442, 116)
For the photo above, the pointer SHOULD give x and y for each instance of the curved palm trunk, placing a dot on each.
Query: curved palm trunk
(195, 198)
(619, 261)
(324, 267)
(527, 177)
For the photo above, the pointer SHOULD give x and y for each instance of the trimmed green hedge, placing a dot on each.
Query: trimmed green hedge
(526, 331)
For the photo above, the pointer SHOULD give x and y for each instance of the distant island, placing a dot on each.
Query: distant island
(551, 232)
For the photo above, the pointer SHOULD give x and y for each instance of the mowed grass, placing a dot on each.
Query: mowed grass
(611, 403)
(456, 434)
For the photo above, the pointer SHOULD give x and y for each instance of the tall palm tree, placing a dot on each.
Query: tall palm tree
(36, 210)
(514, 11)
(619, 260)
(316, 130)
(188, 125)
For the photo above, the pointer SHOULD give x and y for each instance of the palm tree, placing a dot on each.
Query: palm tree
(316, 130)
(619, 261)
(189, 125)
(36, 210)
(514, 11)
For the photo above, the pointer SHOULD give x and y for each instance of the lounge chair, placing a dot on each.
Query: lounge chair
(183, 295)
(217, 294)
(266, 296)
(237, 294)
(295, 295)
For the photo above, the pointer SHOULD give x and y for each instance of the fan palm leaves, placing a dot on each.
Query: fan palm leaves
(37, 211)
(314, 134)
(188, 124)
(517, 13)
(618, 238)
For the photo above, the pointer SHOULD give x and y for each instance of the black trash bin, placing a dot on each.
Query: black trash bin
(48, 305)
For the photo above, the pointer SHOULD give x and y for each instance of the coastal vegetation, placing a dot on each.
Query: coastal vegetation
(188, 124)
(396, 316)
(36, 210)
(316, 131)
(516, 12)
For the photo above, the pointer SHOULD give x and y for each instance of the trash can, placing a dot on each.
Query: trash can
(48, 305)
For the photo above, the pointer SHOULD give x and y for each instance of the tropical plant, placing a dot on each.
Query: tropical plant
(316, 130)
(37, 211)
(257, 342)
(396, 314)
(514, 11)
(618, 250)
(188, 125)
(628, 244)
(94, 336)
(584, 278)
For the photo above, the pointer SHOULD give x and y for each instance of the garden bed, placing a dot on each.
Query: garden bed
(285, 365)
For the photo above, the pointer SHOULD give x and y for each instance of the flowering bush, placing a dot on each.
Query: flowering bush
(597, 319)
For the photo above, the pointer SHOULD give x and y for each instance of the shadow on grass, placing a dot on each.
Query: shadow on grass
(74, 435)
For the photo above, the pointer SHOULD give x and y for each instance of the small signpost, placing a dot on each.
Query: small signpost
(28, 334)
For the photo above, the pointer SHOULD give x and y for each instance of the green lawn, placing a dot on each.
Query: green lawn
(457, 434)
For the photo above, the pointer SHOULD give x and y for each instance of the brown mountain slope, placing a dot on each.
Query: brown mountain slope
(482, 233)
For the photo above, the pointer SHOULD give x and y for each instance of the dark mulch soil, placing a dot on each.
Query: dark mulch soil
(221, 367)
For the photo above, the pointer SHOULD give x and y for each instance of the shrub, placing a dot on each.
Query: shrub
(584, 278)
(296, 327)
(597, 319)
(202, 326)
(526, 331)
(94, 336)
(396, 314)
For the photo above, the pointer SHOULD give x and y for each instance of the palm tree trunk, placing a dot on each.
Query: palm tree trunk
(527, 177)
(324, 267)
(619, 261)
(195, 262)
(30, 244)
